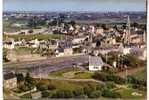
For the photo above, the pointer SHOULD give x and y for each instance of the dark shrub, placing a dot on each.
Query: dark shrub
(95, 94)
(51, 87)
(63, 94)
(110, 94)
(88, 89)
(110, 85)
(108, 77)
(41, 87)
(78, 92)
(46, 94)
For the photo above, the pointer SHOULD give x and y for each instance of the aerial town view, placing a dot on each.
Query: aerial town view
(93, 49)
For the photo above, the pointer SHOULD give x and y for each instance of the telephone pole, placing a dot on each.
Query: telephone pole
(126, 73)
(128, 30)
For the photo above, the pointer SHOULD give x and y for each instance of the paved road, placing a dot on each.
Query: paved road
(47, 65)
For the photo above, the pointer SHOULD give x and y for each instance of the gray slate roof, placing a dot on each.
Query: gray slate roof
(96, 61)
(9, 76)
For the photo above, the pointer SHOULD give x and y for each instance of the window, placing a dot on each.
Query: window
(95, 67)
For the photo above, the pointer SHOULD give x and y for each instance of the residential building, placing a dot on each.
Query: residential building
(95, 63)
(10, 80)
(68, 51)
(59, 52)
(10, 44)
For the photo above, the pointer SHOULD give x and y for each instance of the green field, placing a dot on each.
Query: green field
(61, 72)
(83, 75)
(72, 73)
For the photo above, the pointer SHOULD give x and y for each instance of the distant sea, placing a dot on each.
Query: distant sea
(74, 5)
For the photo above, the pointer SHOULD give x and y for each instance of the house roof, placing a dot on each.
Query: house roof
(59, 49)
(9, 75)
(95, 60)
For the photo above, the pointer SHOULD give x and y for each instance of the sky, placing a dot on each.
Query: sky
(74, 5)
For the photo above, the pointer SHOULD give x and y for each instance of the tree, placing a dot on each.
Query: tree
(115, 27)
(135, 24)
(130, 60)
(73, 23)
(104, 26)
(98, 43)
(124, 26)
(32, 23)
(29, 80)
(20, 77)
(53, 23)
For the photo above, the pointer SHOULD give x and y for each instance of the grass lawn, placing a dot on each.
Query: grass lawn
(83, 75)
(141, 75)
(34, 36)
(127, 93)
(61, 72)
(72, 73)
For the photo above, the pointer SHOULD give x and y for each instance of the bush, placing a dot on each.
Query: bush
(110, 85)
(95, 94)
(88, 89)
(133, 80)
(63, 94)
(51, 87)
(24, 88)
(108, 77)
(78, 92)
(100, 76)
(41, 87)
(46, 94)
(110, 94)
(100, 87)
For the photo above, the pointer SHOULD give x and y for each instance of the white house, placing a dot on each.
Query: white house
(124, 50)
(10, 80)
(78, 40)
(68, 51)
(35, 43)
(59, 52)
(10, 44)
(95, 63)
